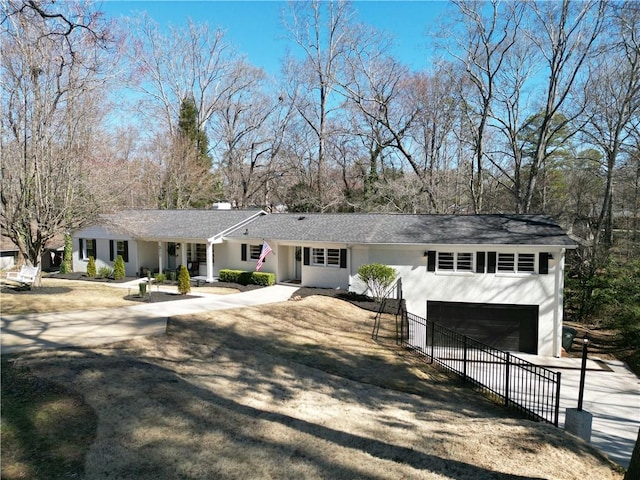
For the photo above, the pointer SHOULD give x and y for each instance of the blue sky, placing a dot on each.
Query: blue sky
(255, 28)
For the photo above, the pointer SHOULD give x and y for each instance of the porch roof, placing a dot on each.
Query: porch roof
(409, 229)
(176, 225)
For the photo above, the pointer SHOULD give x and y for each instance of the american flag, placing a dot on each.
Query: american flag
(266, 250)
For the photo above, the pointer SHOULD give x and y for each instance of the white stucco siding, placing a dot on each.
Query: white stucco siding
(103, 237)
(420, 285)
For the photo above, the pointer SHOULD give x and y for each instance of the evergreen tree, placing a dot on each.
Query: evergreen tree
(118, 268)
(91, 267)
(67, 264)
(184, 281)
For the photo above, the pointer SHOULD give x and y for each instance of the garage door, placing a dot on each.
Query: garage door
(506, 327)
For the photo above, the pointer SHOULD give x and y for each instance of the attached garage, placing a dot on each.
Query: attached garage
(506, 327)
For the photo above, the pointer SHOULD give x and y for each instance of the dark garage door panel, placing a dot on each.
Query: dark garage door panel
(507, 327)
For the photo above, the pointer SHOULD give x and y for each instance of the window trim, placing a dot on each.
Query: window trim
(254, 252)
(84, 250)
(518, 263)
(455, 262)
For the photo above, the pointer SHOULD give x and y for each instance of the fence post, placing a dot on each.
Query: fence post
(433, 340)
(557, 409)
(464, 359)
(507, 379)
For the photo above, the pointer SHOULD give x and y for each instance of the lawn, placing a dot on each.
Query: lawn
(61, 295)
(290, 390)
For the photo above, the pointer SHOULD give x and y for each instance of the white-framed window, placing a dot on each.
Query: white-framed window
(254, 251)
(317, 256)
(527, 262)
(516, 263)
(201, 253)
(122, 248)
(333, 257)
(455, 261)
(87, 248)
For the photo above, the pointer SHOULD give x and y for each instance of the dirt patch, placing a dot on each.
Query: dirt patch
(297, 390)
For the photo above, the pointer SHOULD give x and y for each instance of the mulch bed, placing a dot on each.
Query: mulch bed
(156, 297)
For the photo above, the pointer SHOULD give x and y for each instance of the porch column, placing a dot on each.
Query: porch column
(183, 254)
(160, 259)
(558, 304)
(209, 262)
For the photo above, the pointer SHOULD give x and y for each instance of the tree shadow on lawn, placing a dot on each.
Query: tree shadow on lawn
(164, 399)
(28, 290)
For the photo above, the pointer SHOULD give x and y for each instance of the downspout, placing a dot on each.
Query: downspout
(558, 304)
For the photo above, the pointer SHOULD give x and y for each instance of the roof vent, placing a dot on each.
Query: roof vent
(301, 218)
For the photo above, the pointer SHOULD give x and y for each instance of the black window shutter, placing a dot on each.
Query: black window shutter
(306, 255)
(491, 262)
(95, 249)
(126, 251)
(431, 261)
(111, 250)
(343, 258)
(543, 263)
(80, 249)
(480, 262)
(243, 252)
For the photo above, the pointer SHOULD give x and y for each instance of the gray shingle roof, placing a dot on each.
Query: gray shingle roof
(175, 224)
(409, 229)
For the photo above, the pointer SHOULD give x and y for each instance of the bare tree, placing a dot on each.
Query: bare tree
(565, 33)
(613, 106)
(250, 128)
(489, 32)
(322, 30)
(54, 67)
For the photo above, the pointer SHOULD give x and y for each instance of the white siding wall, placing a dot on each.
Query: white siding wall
(103, 237)
(419, 285)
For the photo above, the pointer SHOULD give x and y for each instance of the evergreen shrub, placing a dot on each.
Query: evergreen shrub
(91, 267)
(118, 268)
(184, 281)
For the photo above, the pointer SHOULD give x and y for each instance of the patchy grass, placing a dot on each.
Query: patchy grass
(61, 295)
(46, 429)
(297, 390)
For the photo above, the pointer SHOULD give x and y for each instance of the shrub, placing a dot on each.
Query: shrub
(91, 267)
(105, 272)
(172, 276)
(184, 281)
(377, 277)
(143, 288)
(118, 268)
(67, 263)
(245, 278)
(160, 278)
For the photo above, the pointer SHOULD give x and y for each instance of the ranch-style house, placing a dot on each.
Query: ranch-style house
(497, 278)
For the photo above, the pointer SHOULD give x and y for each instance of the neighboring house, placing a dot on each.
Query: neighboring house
(498, 278)
(51, 257)
(8, 253)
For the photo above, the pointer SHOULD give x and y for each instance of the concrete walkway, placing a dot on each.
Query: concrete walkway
(611, 395)
(94, 327)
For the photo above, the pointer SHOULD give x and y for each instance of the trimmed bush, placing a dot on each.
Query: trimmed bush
(378, 278)
(184, 281)
(247, 278)
(118, 268)
(160, 278)
(105, 272)
(91, 267)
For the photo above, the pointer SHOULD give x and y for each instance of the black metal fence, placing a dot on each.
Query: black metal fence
(532, 390)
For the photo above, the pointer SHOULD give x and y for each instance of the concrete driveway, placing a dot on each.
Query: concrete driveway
(26, 332)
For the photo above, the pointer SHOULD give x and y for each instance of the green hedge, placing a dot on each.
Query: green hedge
(245, 278)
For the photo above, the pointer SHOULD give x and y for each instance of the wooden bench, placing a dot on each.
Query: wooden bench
(26, 276)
